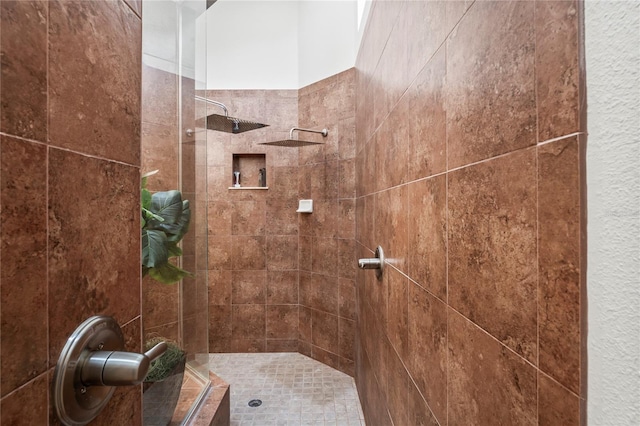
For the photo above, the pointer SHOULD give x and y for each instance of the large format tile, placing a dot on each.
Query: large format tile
(27, 405)
(488, 384)
(347, 260)
(219, 287)
(424, 24)
(94, 98)
(160, 152)
(418, 411)
(426, 119)
(23, 70)
(427, 248)
(159, 94)
(557, 68)
(248, 287)
(319, 292)
(490, 95)
(324, 332)
(248, 321)
(160, 303)
(282, 287)
(427, 325)
(392, 148)
(249, 252)
(492, 248)
(398, 382)
(391, 227)
(281, 217)
(248, 218)
(559, 261)
(324, 258)
(282, 322)
(23, 295)
(94, 243)
(220, 330)
(397, 311)
(282, 253)
(556, 404)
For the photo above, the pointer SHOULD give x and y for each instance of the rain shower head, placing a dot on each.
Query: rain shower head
(294, 143)
(224, 123)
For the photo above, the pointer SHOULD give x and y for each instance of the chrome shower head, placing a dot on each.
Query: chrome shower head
(295, 143)
(224, 123)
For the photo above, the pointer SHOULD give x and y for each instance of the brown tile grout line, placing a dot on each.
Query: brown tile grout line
(47, 362)
(485, 331)
(48, 249)
(446, 226)
(444, 42)
(474, 163)
(83, 154)
(537, 153)
(46, 372)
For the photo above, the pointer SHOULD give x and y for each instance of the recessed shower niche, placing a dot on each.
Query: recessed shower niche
(249, 171)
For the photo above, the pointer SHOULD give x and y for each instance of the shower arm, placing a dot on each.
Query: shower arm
(209, 101)
(323, 132)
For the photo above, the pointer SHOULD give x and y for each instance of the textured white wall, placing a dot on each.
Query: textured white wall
(613, 181)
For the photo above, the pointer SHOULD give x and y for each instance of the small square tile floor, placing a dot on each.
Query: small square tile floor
(295, 390)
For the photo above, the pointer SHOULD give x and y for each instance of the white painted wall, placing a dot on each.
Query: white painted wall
(160, 35)
(613, 183)
(327, 33)
(252, 45)
(279, 44)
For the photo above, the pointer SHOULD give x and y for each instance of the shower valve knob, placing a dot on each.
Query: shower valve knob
(116, 368)
(90, 365)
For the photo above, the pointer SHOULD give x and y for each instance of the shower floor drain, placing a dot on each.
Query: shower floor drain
(255, 403)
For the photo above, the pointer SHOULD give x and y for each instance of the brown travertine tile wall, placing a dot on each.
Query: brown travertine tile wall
(469, 171)
(69, 191)
(253, 233)
(327, 236)
(280, 280)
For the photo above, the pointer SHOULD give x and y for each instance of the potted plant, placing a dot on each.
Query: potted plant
(163, 382)
(165, 220)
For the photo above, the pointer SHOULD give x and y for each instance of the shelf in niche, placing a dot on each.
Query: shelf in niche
(249, 166)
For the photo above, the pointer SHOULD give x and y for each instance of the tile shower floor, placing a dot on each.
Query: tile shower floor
(294, 390)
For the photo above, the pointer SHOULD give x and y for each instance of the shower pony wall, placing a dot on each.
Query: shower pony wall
(280, 280)
(469, 174)
(70, 183)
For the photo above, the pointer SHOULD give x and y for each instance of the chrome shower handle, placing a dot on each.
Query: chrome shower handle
(92, 363)
(376, 263)
(117, 368)
(369, 263)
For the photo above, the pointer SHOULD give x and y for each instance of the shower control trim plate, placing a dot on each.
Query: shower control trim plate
(90, 365)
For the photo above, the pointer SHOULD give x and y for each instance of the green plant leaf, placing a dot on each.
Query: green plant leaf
(168, 273)
(168, 205)
(165, 220)
(154, 248)
(145, 198)
(173, 248)
(177, 232)
(151, 216)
